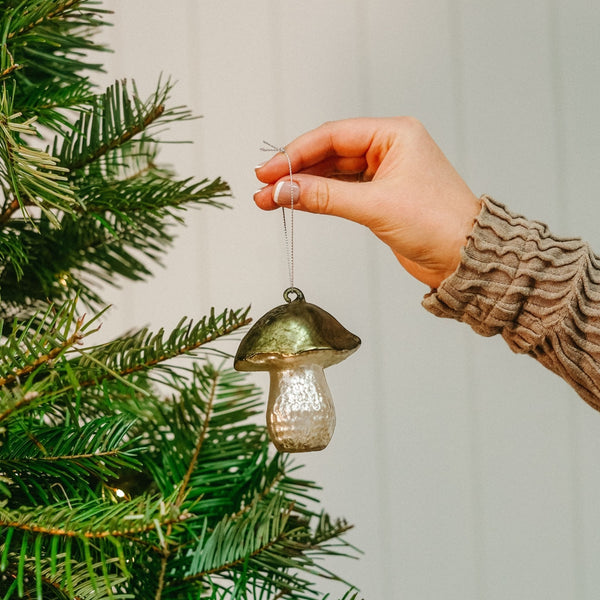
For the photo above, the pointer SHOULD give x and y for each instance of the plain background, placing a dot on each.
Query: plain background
(468, 472)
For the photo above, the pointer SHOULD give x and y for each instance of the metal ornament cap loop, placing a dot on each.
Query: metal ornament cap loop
(293, 290)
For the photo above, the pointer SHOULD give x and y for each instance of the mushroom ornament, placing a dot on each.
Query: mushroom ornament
(294, 342)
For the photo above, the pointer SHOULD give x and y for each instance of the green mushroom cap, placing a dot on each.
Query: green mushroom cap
(294, 333)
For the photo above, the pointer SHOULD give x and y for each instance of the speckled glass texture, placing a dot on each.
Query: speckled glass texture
(300, 410)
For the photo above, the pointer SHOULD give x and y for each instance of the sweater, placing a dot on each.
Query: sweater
(540, 292)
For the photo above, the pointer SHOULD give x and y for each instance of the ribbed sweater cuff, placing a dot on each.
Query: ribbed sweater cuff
(540, 292)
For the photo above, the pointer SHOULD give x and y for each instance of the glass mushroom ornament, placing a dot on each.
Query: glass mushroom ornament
(294, 342)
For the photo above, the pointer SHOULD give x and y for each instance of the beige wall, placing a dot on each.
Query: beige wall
(468, 472)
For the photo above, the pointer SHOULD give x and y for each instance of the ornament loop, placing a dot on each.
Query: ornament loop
(293, 290)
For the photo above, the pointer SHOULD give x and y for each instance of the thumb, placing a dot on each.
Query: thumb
(326, 196)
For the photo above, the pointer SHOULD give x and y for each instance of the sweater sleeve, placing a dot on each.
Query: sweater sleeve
(539, 291)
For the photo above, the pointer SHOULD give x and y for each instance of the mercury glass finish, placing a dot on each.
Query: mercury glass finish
(300, 412)
(295, 342)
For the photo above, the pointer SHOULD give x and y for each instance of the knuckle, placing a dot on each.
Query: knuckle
(322, 198)
(411, 124)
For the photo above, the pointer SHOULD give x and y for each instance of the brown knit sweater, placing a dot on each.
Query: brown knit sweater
(539, 291)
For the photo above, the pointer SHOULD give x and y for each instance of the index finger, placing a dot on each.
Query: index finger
(349, 138)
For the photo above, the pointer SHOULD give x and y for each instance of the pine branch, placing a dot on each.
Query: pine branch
(82, 537)
(143, 351)
(89, 533)
(6, 72)
(36, 177)
(207, 410)
(149, 189)
(232, 449)
(214, 382)
(13, 253)
(110, 522)
(150, 117)
(255, 533)
(268, 544)
(43, 13)
(38, 37)
(49, 38)
(40, 578)
(95, 452)
(114, 121)
(123, 222)
(38, 343)
(119, 360)
(23, 371)
(14, 205)
(55, 107)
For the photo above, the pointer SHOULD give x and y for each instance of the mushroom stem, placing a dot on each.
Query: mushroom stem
(300, 411)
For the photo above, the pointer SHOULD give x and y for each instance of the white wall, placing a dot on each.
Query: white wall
(468, 472)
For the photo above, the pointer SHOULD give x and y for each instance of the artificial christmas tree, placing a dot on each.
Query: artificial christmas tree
(123, 474)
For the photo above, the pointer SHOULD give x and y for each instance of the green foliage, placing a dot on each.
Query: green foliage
(91, 202)
(132, 468)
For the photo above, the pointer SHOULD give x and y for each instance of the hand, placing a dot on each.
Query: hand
(387, 174)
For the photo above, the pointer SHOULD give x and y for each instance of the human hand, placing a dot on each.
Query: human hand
(387, 174)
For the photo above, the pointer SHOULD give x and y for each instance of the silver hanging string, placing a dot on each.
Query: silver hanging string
(288, 234)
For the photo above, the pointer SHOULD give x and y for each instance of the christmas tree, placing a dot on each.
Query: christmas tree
(130, 468)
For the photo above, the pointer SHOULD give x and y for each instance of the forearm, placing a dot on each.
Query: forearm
(540, 292)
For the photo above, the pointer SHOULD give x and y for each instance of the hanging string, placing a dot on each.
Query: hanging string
(288, 234)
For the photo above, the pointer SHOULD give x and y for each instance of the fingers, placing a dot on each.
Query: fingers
(343, 168)
(339, 146)
(351, 169)
(320, 195)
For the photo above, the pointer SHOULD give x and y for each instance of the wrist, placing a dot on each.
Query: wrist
(463, 230)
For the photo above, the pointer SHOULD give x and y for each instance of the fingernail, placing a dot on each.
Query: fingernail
(262, 164)
(284, 191)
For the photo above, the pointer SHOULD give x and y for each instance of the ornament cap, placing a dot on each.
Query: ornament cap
(294, 333)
